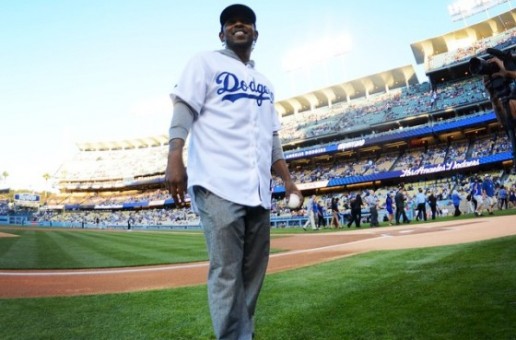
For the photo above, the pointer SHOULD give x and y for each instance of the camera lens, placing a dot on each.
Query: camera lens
(480, 66)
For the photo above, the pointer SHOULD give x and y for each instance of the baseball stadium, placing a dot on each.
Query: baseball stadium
(111, 255)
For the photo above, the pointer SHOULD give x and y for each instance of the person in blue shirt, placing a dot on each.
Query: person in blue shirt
(476, 193)
(502, 198)
(389, 207)
(456, 202)
(321, 222)
(488, 194)
(512, 197)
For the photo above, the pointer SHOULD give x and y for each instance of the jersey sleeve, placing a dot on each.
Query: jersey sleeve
(192, 84)
(276, 123)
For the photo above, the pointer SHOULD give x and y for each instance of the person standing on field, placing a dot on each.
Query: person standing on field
(432, 202)
(488, 194)
(399, 200)
(372, 202)
(456, 198)
(227, 108)
(321, 221)
(311, 211)
(356, 205)
(389, 207)
(335, 214)
(420, 205)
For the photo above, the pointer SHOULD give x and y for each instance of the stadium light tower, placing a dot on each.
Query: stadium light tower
(320, 52)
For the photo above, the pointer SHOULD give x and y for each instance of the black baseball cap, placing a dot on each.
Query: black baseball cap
(237, 10)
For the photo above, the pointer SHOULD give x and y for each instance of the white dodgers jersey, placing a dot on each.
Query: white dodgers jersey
(230, 146)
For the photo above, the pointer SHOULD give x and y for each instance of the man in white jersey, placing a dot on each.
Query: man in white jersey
(311, 211)
(227, 108)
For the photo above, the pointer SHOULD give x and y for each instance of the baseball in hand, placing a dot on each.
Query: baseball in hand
(294, 201)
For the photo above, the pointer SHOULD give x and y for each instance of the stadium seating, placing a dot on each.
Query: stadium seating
(431, 135)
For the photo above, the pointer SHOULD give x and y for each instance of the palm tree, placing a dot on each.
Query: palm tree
(46, 176)
(5, 174)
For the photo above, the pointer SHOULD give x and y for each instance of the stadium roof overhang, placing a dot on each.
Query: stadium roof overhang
(450, 41)
(135, 143)
(362, 87)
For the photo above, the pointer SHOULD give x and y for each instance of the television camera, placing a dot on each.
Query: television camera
(501, 90)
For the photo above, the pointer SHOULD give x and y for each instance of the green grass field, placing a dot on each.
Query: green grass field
(59, 249)
(43, 248)
(453, 292)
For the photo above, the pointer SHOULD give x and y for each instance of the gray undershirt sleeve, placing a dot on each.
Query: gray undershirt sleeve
(277, 149)
(182, 120)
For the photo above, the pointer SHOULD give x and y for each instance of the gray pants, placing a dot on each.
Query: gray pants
(238, 242)
(374, 217)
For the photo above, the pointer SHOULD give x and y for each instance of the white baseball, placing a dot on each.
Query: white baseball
(294, 201)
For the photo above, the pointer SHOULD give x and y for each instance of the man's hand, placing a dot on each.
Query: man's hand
(503, 72)
(281, 169)
(291, 188)
(176, 180)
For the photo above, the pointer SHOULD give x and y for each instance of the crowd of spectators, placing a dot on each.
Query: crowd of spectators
(442, 188)
(102, 216)
(4, 206)
(381, 107)
(434, 154)
(118, 218)
(113, 169)
(462, 54)
(354, 165)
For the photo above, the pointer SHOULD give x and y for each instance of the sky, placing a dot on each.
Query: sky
(102, 70)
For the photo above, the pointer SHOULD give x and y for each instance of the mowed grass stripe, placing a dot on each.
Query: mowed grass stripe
(49, 250)
(6, 243)
(19, 250)
(108, 250)
(158, 247)
(159, 241)
(51, 247)
(99, 249)
(78, 249)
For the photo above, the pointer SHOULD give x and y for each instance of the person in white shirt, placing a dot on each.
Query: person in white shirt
(226, 107)
(311, 211)
(420, 205)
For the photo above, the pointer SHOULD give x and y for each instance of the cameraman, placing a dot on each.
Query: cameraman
(499, 82)
(503, 72)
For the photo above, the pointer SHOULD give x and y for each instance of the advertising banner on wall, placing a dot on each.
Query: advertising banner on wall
(27, 200)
